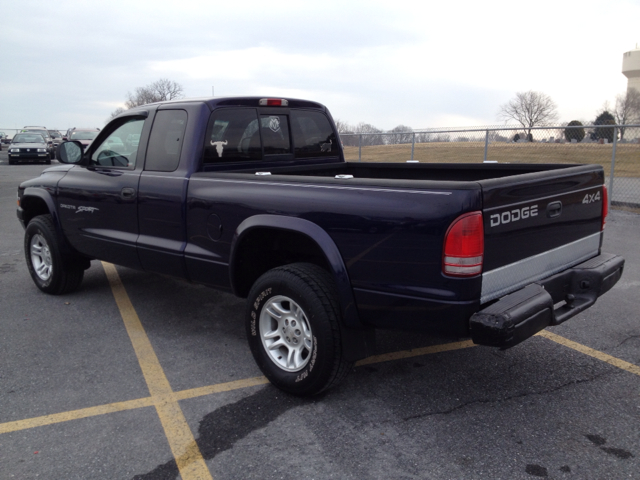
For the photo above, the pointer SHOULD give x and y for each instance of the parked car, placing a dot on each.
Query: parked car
(29, 147)
(115, 144)
(57, 140)
(56, 136)
(84, 135)
(132, 141)
(45, 133)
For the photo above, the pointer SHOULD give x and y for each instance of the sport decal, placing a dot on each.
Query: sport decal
(79, 209)
(87, 209)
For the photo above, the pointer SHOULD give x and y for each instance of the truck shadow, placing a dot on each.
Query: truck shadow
(220, 430)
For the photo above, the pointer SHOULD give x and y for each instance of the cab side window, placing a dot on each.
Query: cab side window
(232, 136)
(165, 141)
(313, 135)
(113, 152)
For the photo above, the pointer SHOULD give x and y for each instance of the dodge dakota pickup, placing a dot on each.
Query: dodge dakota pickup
(253, 196)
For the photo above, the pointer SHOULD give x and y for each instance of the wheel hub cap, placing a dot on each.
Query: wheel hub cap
(41, 257)
(286, 333)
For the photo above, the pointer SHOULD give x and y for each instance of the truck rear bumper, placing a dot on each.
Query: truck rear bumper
(548, 302)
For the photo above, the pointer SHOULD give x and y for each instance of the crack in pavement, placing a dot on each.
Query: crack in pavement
(630, 337)
(522, 395)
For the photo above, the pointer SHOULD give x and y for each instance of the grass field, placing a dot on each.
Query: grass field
(627, 154)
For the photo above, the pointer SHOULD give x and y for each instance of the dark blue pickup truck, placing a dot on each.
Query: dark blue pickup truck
(253, 196)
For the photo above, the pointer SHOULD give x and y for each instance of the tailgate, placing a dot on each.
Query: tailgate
(538, 224)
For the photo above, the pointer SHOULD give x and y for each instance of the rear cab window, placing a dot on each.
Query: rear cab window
(244, 135)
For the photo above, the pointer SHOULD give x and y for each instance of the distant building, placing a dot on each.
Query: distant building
(631, 68)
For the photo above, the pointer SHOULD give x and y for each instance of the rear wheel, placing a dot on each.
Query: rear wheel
(51, 271)
(293, 329)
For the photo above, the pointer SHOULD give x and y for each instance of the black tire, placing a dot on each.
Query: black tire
(51, 271)
(320, 364)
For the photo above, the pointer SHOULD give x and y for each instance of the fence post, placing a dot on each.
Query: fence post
(486, 144)
(613, 164)
(413, 144)
(360, 147)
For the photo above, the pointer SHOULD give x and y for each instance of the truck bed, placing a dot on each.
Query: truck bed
(463, 172)
(389, 222)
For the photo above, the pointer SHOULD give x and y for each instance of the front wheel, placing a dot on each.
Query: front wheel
(51, 271)
(293, 328)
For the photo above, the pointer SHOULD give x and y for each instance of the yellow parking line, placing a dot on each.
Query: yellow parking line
(416, 352)
(616, 362)
(74, 415)
(255, 381)
(203, 391)
(183, 445)
(220, 387)
(126, 405)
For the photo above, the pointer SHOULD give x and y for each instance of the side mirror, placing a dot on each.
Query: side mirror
(70, 152)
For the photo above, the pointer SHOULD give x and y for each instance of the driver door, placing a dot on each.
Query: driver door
(98, 203)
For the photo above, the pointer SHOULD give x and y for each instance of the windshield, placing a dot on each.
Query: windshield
(24, 138)
(44, 133)
(83, 135)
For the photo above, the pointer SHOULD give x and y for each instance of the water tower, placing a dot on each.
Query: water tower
(631, 68)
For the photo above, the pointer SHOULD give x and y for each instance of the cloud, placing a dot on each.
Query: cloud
(383, 63)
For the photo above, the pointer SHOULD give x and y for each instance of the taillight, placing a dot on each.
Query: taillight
(273, 102)
(464, 246)
(605, 206)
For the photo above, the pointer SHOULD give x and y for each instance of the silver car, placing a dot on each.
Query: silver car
(29, 147)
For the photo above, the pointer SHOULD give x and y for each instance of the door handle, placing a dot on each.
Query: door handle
(128, 193)
(110, 173)
(554, 209)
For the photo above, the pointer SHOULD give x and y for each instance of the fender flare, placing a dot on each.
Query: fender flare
(44, 195)
(321, 238)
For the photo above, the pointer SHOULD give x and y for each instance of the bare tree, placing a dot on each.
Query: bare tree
(530, 109)
(158, 91)
(345, 128)
(627, 109)
(401, 134)
(369, 140)
(116, 112)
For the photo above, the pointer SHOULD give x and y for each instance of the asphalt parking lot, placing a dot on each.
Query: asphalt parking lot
(136, 375)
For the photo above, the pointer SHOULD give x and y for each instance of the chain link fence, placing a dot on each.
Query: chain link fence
(615, 147)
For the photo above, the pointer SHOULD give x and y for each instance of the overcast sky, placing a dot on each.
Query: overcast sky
(422, 64)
